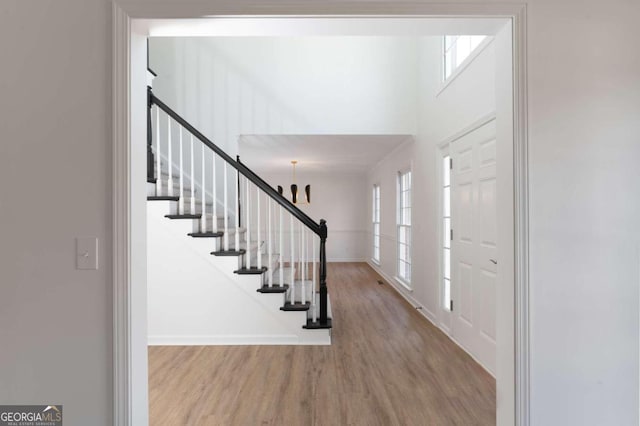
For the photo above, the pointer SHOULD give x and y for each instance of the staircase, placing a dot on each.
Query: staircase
(212, 205)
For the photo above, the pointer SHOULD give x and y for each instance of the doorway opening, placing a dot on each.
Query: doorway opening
(142, 29)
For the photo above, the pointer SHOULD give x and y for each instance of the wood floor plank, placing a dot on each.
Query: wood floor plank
(387, 366)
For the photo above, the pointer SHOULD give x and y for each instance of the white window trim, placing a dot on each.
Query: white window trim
(460, 68)
(443, 153)
(373, 232)
(397, 277)
(403, 283)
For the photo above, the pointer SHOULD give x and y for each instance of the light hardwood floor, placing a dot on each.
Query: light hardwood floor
(387, 366)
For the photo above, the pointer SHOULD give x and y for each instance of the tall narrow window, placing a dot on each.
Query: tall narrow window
(447, 236)
(456, 49)
(404, 227)
(376, 223)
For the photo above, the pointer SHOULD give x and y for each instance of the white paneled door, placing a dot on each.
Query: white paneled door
(473, 250)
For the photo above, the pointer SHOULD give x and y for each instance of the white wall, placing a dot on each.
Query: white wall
(340, 199)
(288, 85)
(584, 106)
(440, 115)
(194, 298)
(55, 181)
(584, 103)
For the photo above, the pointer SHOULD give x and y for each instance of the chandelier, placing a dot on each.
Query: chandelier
(294, 188)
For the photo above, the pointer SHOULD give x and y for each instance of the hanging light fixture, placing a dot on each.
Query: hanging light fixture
(294, 188)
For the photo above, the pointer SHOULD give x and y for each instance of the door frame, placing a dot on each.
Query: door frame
(130, 402)
(446, 318)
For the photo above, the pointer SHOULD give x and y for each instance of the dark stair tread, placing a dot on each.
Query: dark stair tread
(310, 325)
(183, 216)
(208, 234)
(229, 252)
(274, 289)
(163, 198)
(297, 306)
(251, 271)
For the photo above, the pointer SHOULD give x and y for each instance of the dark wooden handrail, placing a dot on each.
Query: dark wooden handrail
(244, 170)
(319, 229)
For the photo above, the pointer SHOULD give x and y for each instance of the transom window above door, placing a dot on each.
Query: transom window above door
(456, 50)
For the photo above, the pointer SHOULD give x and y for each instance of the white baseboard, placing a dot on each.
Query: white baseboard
(346, 259)
(424, 311)
(220, 340)
(405, 294)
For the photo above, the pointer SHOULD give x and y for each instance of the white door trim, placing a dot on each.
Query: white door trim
(122, 383)
(126, 10)
(443, 318)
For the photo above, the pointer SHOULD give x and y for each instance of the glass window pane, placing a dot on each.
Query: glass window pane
(446, 202)
(448, 41)
(447, 294)
(446, 242)
(446, 269)
(463, 48)
(476, 40)
(446, 172)
(448, 64)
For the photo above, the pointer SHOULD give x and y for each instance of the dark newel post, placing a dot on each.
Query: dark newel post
(239, 197)
(323, 272)
(150, 159)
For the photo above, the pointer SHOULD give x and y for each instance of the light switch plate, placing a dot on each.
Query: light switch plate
(87, 253)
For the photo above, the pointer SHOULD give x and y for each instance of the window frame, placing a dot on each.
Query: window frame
(403, 223)
(376, 219)
(459, 68)
(445, 168)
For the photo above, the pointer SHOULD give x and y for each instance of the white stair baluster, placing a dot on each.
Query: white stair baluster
(280, 245)
(303, 296)
(300, 251)
(259, 229)
(269, 255)
(158, 162)
(203, 208)
(215, 191)
(292, 289)
(247, 236)
(236, 202)
(313, 282)
(181, 194)
(192, 207)
(226, 209)
(169, 158)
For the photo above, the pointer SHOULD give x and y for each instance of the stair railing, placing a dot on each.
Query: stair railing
(253, 200)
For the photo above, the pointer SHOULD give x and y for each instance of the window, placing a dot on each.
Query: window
(376, 223)
(404, 227)
(446, 231)
(456, 49)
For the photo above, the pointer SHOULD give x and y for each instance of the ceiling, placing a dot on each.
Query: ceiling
(317, 153)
